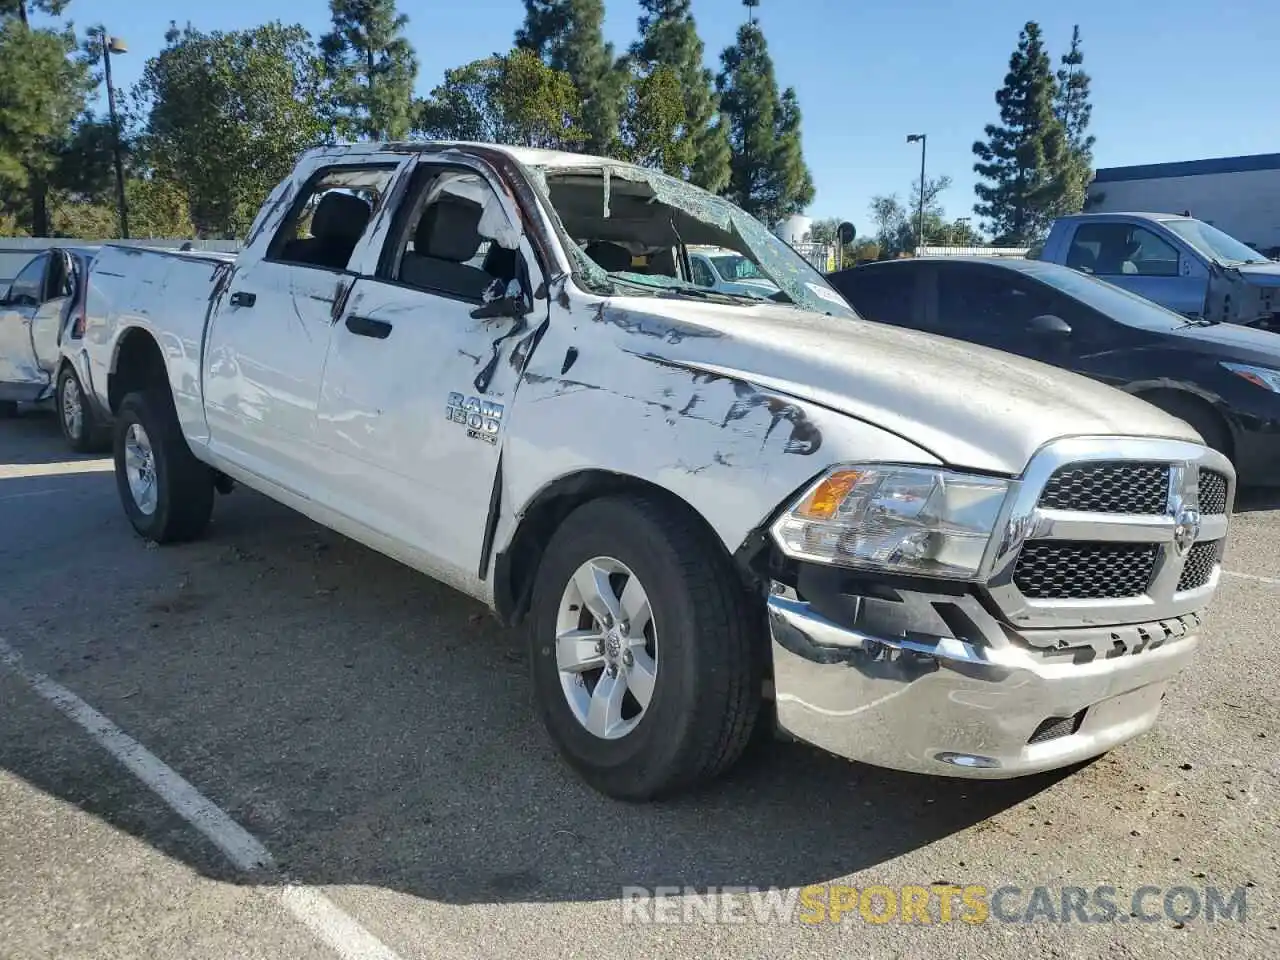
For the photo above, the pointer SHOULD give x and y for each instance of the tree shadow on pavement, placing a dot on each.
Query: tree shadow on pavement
(372, 727)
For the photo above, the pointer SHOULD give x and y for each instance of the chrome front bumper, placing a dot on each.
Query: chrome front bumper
(944, 706)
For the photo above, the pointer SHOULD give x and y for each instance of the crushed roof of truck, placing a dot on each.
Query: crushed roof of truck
(531, 156)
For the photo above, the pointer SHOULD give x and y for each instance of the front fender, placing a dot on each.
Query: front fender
(730, 449)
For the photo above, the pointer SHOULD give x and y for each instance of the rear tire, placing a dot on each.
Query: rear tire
(81, 428)
(166, 492)
(704, 692)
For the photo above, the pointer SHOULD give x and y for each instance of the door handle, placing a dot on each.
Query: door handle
(243, 298)
(368, 327)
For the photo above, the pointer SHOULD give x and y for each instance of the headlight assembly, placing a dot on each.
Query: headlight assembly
(1262, 377)
(914, 520)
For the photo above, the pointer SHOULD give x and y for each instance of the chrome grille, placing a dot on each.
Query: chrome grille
(1102, 530)
(1213, 492)
(1051, 570)
(1114, 486)
(1201, 559)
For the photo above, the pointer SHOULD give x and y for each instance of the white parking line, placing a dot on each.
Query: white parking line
(1251, 576)
(324, 918)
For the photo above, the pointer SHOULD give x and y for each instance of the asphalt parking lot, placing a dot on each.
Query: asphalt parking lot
(372, 732)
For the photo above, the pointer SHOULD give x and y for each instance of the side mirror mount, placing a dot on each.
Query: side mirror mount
(1050, 326)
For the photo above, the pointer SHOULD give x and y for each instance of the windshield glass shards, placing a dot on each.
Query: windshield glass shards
(631, 229)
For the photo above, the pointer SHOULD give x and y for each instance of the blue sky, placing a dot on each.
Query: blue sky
(1174, 81)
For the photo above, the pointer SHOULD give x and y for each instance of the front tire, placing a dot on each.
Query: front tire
(644, 649)
(82, 430)
(166, 492)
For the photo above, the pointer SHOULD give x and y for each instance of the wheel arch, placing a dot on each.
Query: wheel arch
(136, 364)
(516, 566)
(1196, 400)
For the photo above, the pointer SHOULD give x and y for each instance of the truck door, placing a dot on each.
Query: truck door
(1140, 260)
(270, 332)
(46, 325)
(21, 377)
(421, 375)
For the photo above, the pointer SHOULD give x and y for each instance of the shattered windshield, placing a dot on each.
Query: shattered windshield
(631, 229)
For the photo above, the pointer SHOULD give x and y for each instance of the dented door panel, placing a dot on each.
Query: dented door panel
(410, 443)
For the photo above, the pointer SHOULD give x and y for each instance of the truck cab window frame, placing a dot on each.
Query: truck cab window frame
(436, 244)
(1122, 250)
(339, 202)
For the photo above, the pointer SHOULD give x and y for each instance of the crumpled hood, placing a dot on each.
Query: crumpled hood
(969, 406)
(1260, 274)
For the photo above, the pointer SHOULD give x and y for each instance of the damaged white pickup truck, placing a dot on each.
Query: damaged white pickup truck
(715, 513)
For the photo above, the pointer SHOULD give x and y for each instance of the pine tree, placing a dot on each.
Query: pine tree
(227, 115)
(669, 38)
(768, 177)
(43, 87)
(567, 36)
(1024, 158)
(372, 69)
(1073, 111)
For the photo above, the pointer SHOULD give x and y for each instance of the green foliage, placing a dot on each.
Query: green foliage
(227, 116)
(372, 69)
(42, 90)
(1074, 111)
(157, 209)
(83, 165)
(514, 99)
(19, 9)
(567, 36)
(1025, 158)
(896, 221)
(669, 38)
(653, 124)
(768, 176)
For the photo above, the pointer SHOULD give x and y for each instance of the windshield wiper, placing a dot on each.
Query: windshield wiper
(1197, 322)
(700, 293)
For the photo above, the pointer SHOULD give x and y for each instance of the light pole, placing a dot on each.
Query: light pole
(959, 220)
(912, 138)
(117, 46)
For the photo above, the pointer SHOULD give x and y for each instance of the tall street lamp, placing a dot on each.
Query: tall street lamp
(117, 46)
(912, 138)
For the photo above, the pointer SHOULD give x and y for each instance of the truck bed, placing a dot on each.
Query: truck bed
(166, 293)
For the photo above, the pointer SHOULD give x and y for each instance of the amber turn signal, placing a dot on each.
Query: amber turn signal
(825, 499)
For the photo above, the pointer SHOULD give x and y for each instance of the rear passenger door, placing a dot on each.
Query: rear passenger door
(419, 381)
(271, 326)
(20, 375)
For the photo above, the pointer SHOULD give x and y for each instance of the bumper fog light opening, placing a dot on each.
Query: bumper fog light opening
(967, 760)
